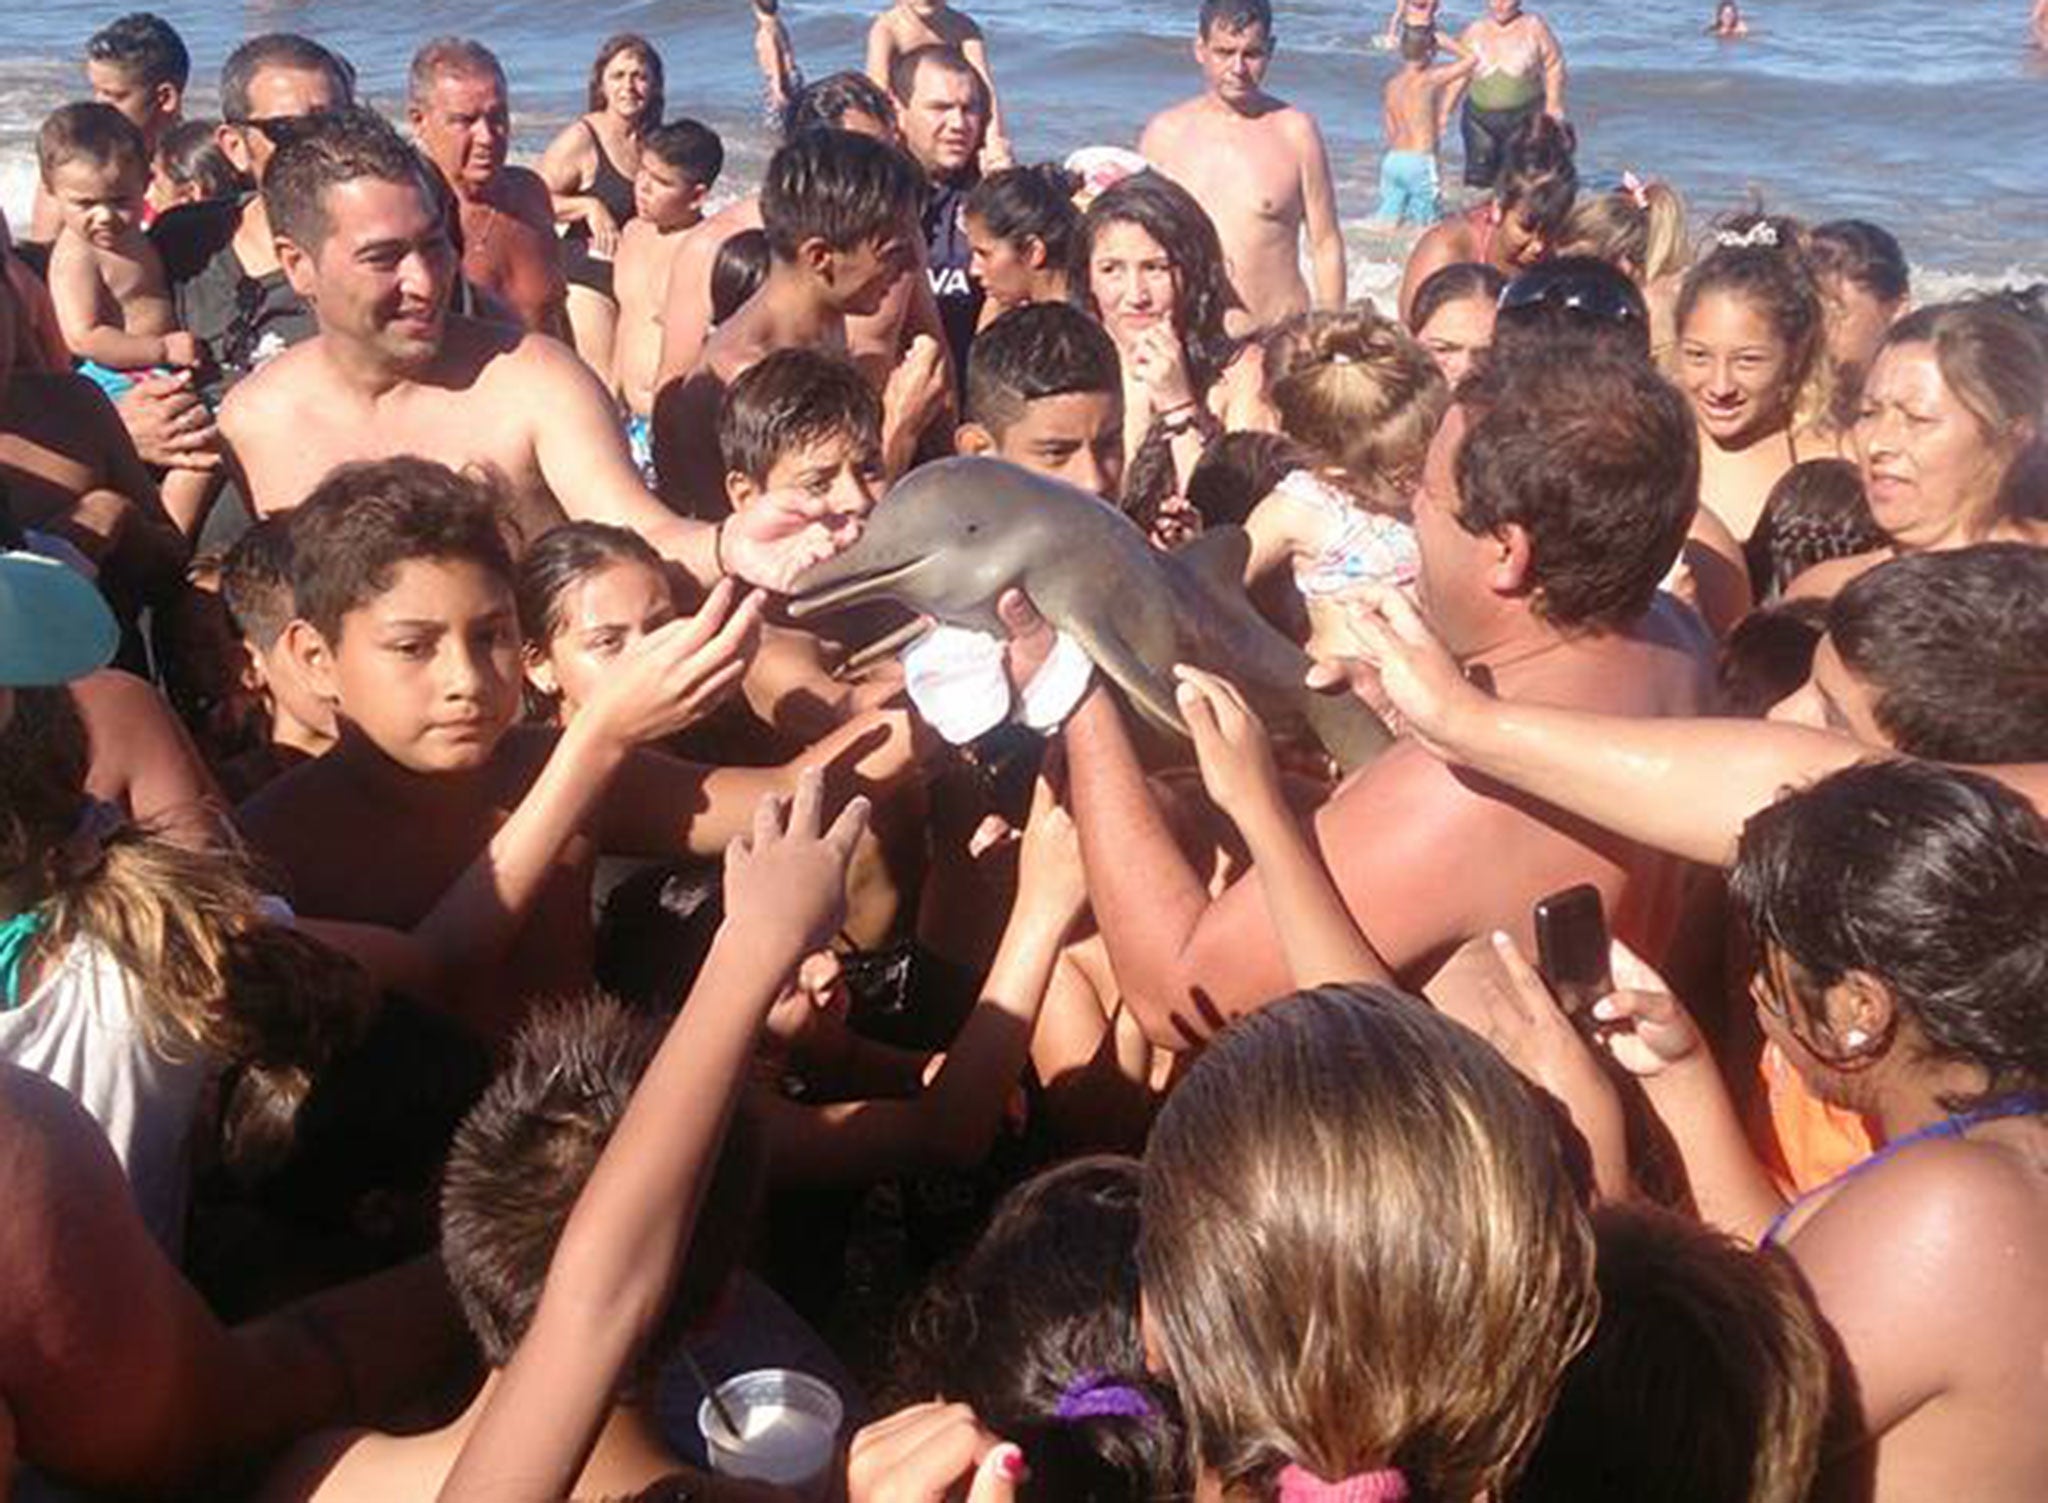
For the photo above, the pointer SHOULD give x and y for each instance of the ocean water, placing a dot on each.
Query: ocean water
(1928, 120)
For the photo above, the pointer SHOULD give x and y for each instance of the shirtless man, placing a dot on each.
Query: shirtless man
(462, 121)
(361, 234)
(1256, 165)
(878, 340)
(1523, 584)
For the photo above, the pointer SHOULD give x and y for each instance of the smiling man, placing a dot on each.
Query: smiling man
(463, 123)
(1255, 164)
(362, 235)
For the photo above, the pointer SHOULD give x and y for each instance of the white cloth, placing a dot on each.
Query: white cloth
(956, 680)
(77, 1030)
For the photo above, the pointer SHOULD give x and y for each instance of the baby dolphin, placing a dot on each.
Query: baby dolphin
(952, 536)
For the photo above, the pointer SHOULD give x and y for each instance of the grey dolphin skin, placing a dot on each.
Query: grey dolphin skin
(954, 535)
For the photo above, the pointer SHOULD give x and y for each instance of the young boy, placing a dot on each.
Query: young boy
(1413, 109)
(840, 212)
(256, 586)
(802, 420)
(112, 299)
(434, 814)
(139, 65)
(907, 25)
(679, 163)
(1044, 390)
(519, 1161)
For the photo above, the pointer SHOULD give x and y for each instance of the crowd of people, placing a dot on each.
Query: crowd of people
(487, 957)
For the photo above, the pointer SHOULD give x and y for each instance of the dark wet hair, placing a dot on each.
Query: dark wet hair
(345, 147)
(1861, 253)
(278, 49)
(562, 557)
(256, 581)
(838, 186)
(1595, 456)
(1454, 284)
(1039, 350)
(1538, 178)
(1930, 880)
(691, 147)
(525, 1151)
(1239, 470)
(825, 103)
(1954, 647)
(144, 46)
(365, 519)
(737, 272)
(1203, 295)
(192, 157)
(1234, 15)
(1045, 1305)
(789, 401)
(1817, 511)
(91, 132)
(1707, 1379)
(650, 59)
(1769, 655)
(1021, 204)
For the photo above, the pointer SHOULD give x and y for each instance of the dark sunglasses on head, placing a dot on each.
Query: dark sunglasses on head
(1606, 298)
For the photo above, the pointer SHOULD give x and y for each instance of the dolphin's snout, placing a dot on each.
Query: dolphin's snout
(831, 584)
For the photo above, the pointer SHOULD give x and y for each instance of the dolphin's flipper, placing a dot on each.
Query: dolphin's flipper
(1148, 692)
(1219, 556)
(1346, 726)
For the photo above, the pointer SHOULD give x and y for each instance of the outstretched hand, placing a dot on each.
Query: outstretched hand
(775, 537)
(925, 1453)
(1411, 672)
(679, 672)
(785, 882)
(1232, 749)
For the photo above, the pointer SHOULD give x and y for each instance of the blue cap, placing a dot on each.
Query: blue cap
(54, 627)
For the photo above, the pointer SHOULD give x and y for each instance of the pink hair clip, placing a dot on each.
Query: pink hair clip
(1633, 186)
(1299, 1485)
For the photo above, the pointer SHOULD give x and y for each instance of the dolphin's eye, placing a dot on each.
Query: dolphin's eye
(972, 528)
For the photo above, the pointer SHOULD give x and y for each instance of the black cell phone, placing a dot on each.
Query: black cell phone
(1571, 947)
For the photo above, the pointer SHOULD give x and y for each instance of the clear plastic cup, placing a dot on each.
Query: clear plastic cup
(789, 1430)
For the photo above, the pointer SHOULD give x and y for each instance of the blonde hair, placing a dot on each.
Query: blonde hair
(1360, 1248)
(1359, 392)
(182, 923)
(1639, 228)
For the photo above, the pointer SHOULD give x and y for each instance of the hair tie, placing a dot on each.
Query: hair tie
(1340, 358)
(1299, 1485)
(1762, 233)
(1096, 1395)
(1633, 187)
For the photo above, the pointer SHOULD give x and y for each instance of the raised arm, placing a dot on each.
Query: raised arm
(1553, 70)
(952, 1123)
(1316, 932)
(614, 1270)
(1319, 207)
(881, 50)
(1683, 786)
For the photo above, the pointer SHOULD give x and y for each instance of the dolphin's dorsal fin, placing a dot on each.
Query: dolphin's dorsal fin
(1219, 556)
